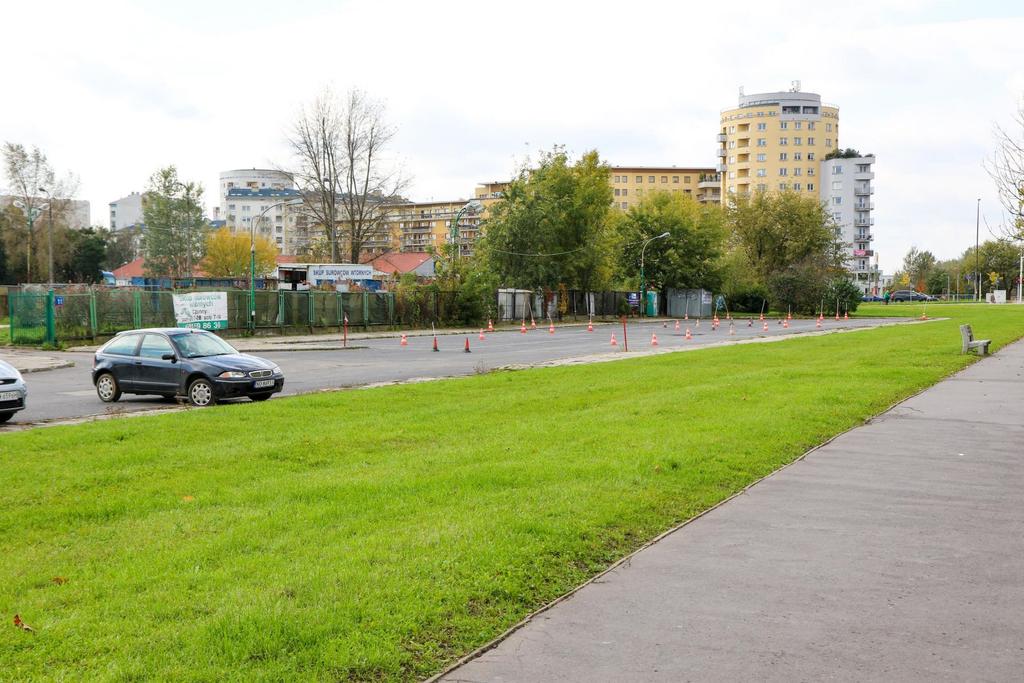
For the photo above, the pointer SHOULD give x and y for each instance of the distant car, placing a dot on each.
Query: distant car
(909, 295)
(871, 297)
(13, 391)
(172, 362)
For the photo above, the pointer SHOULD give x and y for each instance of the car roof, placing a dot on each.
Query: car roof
(163, 330)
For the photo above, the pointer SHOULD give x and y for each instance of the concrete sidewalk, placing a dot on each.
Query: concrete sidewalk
(34, 361)
(895, 552)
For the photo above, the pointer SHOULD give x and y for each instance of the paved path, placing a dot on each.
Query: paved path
(69, 394)
(896, 552)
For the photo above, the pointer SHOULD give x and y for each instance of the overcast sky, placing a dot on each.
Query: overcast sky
(114, 90)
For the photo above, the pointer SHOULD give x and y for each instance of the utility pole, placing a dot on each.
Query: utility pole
(49, 237)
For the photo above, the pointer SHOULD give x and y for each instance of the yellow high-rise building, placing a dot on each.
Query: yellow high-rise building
(776, 141)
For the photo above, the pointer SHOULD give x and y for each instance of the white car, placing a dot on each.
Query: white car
(13, 391)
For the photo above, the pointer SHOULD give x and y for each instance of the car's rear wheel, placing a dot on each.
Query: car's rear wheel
(107, 388)
(259, 397)
(200, 393)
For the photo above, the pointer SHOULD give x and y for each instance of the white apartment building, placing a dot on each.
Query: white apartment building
(847, 189)
(248, 193)
(77, 211)
(126, 212)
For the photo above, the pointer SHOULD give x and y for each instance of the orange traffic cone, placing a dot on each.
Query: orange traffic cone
(818, 324)
(467, 346)
(613, 342)
(533, 324)
(837, 316)
(688, 335)
(785, 323)
(765, 325)
(551, 330)
(686, 316)
(846, 316)
(698, 322)
(761, 317)
(435, 343)
(590, 325)
(654, 340)
(405, 341)
(677, 326)
(490, 325)
(789, 315)
(482, 337)
(522, 330)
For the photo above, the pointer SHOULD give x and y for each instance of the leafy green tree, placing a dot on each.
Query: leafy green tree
(689, 257)
(229, 254)
(551, 226)
(122, 247)
(918, 266)
(85, 255)
(996, 256)
(175, 232)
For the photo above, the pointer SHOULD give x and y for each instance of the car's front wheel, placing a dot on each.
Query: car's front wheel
(200, 393)
(4, 417)
(107, 388)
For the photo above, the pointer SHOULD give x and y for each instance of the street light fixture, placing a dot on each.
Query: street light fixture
(49, 236)
(252, 262)
(643, 283)
(473, 205)
(31, 213)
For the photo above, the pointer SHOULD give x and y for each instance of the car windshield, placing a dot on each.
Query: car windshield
(201, 344)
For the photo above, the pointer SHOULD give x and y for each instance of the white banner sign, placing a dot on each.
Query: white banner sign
(335, 272)
(204, 310)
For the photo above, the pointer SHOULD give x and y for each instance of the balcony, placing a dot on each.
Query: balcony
(721, 137)
(720, 168)
(863, 190)
(864, 175)
(863, 222)
(709, 181)
(864, 206)
(720, 151)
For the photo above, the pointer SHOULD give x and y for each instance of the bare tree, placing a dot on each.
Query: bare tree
(348, 186)
(1006, 168)
(30, 176)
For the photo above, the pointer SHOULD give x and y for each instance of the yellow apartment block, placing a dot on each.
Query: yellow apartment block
(419, 226)
(776, 141)
(630, 183)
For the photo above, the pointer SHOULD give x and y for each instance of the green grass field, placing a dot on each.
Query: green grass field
(380, 534)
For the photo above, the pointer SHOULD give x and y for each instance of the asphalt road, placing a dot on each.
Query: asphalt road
(69, 393)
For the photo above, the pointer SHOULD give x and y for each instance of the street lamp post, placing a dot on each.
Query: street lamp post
(453, 233)
(31, 213)
(252, 263)
(49, 236)
(977, 253)
(643, 282)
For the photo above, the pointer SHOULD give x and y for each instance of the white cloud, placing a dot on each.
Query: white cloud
(117, 89)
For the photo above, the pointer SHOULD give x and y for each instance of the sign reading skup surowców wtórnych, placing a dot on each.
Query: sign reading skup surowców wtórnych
(202, 310)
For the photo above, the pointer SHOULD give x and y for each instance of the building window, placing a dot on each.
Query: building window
(837, 170)
(783, 125)
(783, 171)
(837, 184)
(762, 142)
(810, 126)
(625, 192)
(810, 141)
(762, 172)
(798, 125)
(796, 186)
(762, 126)
(798, 171)
(639, 178)
(798, 156)
(828, 142)
(732, 160)
(617, 192)
(616, 179)
(675, 179)
(798, 141)
(732, 174)
(838, 216)
(231, 207)
(863, 168)
(783, 156)
(783, 186)
(810, 156)
(762, 157)
(828, 127)
(732, 129)
(686, 179)
(837, 200)
(664, 178)
(650, 179)
(810, 187)
(625, 205)
(761, 187)
(783, 141)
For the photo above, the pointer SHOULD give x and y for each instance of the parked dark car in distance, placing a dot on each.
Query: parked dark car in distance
(13, 391)
(871, 297)
(910, 295)
(177, 361)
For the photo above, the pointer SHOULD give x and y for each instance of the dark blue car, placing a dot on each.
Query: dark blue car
(173, 362)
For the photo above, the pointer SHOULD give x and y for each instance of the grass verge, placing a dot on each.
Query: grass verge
(380, 534)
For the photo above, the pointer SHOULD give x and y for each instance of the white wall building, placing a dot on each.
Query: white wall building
(78, 213)
(847, 189)
(246, 193)
(126, 212)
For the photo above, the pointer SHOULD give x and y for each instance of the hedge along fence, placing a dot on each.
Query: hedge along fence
(39, 317)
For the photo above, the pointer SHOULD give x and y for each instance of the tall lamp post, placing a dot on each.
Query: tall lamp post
(49, 236)
(643, 282)
(252, 262)
(31, 213)
(977, 253)
(453, 234)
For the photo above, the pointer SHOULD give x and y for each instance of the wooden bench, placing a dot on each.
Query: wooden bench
(970, 343)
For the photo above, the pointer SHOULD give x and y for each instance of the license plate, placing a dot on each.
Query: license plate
(10, 396)
(263, 383)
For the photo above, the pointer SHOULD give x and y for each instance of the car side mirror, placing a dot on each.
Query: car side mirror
(169, 356)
